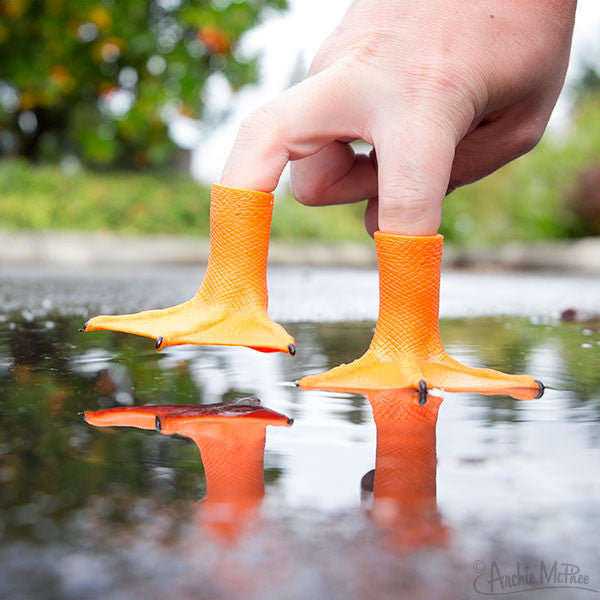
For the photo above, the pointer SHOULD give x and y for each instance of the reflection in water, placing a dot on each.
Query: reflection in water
(231, 440)
(402, 489)
(73, 495)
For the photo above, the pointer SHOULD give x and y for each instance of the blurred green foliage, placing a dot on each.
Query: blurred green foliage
(167, 202)
(535, 197)
(589, 82)
(98, 78)
(46, 198)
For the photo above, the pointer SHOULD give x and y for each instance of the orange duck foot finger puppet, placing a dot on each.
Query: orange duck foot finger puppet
(406, 350)
(230, 308)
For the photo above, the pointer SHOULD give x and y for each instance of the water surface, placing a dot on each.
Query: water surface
(89, 512)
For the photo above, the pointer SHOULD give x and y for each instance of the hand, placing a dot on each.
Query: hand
(446, 91)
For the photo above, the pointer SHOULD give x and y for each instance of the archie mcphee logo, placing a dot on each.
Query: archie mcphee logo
(494, 579)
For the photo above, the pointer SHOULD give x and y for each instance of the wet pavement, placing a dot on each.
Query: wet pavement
(467, 491)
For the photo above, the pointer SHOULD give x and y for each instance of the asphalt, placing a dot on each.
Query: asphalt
(296, 293)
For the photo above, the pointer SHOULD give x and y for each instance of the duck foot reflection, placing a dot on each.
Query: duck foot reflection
(231, 440)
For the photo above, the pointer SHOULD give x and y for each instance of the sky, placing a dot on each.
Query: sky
(290, 40)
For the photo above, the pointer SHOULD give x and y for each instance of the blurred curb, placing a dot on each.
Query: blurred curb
(582, 255)
(93, 248)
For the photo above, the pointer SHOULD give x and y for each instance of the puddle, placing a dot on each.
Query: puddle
(117, 512)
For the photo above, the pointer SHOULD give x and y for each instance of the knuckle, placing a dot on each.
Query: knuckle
(262, 135)
(407, 206)
(528, 138)
(369, 47)
(305, 191)
(373, 50)
(438, 74)
(261, 127)
(411, 201)
(415, 216)
(437, 78)
(255, 121)
(319, 63)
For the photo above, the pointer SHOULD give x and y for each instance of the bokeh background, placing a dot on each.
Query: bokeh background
(118, 115)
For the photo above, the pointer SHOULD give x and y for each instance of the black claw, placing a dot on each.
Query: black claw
(292, 349)
(542, 389)
(82, 415)
(82, 329)
(158, 424)
(422, 392)
(367, 481)
(159, 341)
(290, 421)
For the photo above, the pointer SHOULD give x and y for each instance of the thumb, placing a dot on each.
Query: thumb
(414, 165)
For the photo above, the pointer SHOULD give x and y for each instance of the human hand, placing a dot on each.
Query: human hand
(446, 91)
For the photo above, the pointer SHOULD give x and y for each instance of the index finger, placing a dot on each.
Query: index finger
(299, 123)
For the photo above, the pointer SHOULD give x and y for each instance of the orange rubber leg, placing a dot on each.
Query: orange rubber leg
(230, 308)
(406, 350)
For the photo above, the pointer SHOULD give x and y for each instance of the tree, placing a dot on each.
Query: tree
(99, 79)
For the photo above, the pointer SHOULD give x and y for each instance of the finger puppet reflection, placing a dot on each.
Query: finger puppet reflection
(401, 491)
(231, 439)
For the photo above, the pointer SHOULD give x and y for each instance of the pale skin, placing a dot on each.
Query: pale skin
(446, 92)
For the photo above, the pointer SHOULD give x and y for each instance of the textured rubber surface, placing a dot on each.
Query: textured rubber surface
(230, 308)
(406, 348)
(404, 484)
(231, 440)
